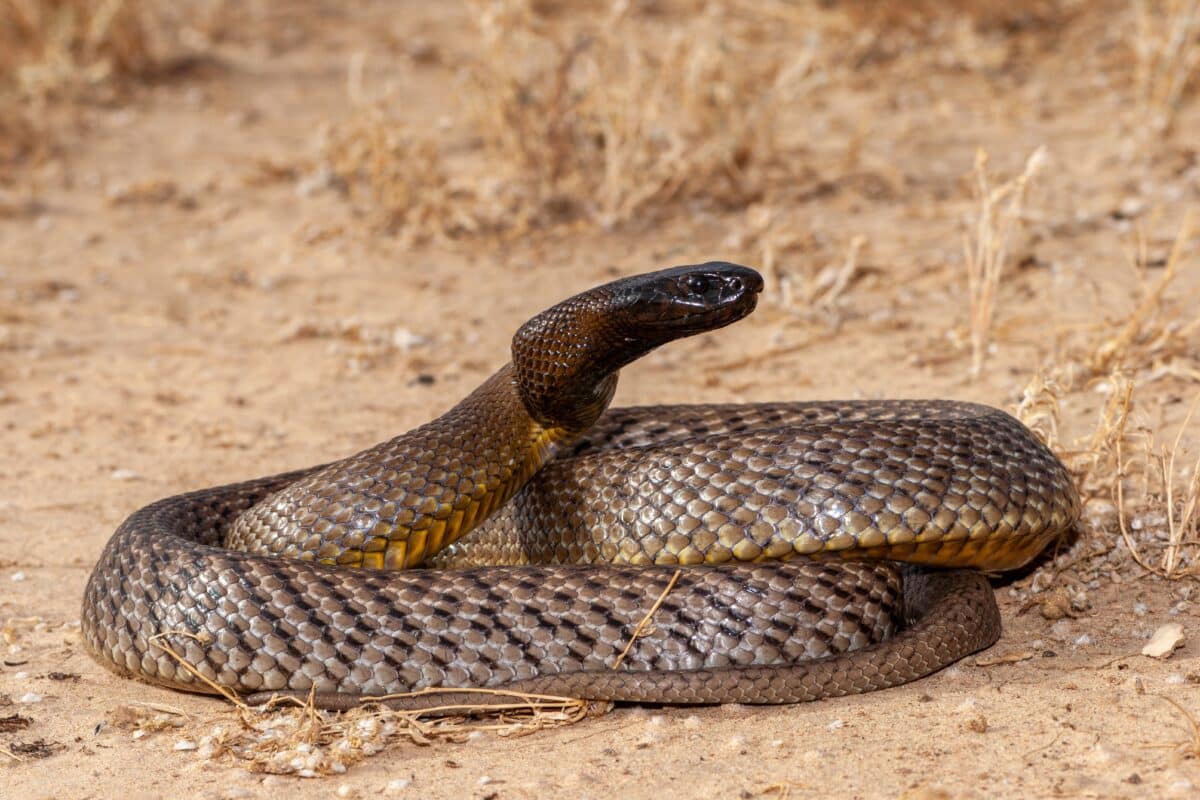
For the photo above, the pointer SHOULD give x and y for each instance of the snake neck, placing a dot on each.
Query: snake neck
(565, 360)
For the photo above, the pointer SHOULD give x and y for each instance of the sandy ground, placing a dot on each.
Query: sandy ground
(168, 321)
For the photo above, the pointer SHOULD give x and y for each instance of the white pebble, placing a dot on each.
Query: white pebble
(345, 791)
(484, 780)
(124, 475)
(836, 725)
(1164, 641)
(405, 339)
(1083, 640)
(1176, 678)
(397, 785)
(29, 697)
(21, 675)
(184, 744)
(1140, 609)
(17, 577)
(691, 722)
(737, 740)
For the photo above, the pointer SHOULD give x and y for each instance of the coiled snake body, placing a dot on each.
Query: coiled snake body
(594, 512)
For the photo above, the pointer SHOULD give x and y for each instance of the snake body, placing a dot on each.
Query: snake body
(596, 510)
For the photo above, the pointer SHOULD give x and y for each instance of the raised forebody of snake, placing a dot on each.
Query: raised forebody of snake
(780, 525)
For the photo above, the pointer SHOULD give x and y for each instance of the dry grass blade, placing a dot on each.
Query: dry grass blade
(1188, 747)
(1144, 325)
(986, 244)
(1182, 527)
(159, 641)
(1167, 52)
(645, 620)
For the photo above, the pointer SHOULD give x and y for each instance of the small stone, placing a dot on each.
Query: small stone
(29, 698)
(397, 785)
(124, 475)
(836, 724)
(1164, 641)
(17, 577)
(184, 744)
(976, 724)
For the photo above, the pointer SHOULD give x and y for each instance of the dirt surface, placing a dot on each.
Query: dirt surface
(177, 311)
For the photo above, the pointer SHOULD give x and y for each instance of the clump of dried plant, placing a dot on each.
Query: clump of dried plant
(55, 52)
(1120, 467)
(49, 48)
(301, 740)
(986, 244)
(590, 119)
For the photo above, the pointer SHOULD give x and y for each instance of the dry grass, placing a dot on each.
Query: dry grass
(986, 245)
(1166, 46)
(288, 736)
(599, 119)
(52, 48)
(1120, 465)
(63, 52)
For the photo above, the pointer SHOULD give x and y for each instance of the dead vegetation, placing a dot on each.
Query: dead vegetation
(1137, 490)
(59, 53)
(294, 738)
(986, 245)
(1166, 44)
(589, 118)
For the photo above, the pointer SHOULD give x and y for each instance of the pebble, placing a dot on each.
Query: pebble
(29, 697)
(1164, 641)
(17, 577)
(123, 475)
(837, 724)
(397, 785)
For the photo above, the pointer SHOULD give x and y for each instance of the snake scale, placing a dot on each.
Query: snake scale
(518, 540)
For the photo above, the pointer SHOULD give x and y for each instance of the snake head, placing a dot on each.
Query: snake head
(682, 301)
(566, 359)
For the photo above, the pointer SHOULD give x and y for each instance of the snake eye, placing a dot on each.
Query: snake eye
(698, 284)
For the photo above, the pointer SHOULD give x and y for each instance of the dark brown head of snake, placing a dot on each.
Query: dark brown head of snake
(566, 359)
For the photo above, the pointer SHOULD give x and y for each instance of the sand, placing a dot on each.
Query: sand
(171, 319)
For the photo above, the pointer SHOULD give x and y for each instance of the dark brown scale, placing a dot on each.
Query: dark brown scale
(937, 482)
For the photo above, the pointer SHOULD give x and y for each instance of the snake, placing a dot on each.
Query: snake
(533, 539)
